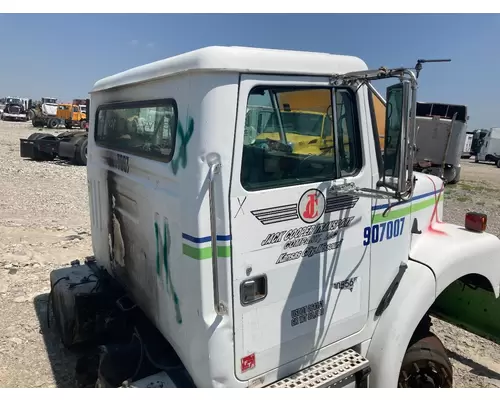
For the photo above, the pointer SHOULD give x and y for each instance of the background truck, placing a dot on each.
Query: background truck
(222, 263)
(71, 146)
(14, 109)
(490, 147)
(74, 114)
(44, 113)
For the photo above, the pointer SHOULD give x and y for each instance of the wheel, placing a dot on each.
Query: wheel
(53, 123)
(498, 163)
(456, 179)
(451, 175)
(83, 124)
(81, 151)
(33, 136)
(426, 365)
(41, 156)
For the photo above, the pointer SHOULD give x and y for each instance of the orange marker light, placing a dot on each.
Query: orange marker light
(475, 221)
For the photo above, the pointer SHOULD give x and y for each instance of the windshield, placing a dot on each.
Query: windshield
(13, 100)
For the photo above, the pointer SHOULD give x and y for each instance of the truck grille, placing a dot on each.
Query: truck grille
(14, 110)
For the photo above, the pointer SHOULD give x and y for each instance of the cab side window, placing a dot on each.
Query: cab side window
(289, 137)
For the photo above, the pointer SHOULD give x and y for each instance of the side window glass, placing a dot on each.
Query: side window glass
(349, 154)
(377, 114)
(145, 129)
(289, 137)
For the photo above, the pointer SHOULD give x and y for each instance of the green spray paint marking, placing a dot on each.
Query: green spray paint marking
(168, 278)
(184, 137)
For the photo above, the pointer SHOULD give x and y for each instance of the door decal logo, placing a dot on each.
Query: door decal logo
(311, 206)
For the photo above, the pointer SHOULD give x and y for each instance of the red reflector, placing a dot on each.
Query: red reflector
(475, 221)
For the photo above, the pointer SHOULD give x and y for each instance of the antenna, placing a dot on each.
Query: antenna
(419, 66)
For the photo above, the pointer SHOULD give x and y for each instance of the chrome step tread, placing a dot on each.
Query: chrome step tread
(326, 373)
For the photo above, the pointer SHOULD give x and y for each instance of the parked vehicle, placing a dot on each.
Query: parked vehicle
(73, 115)
(477, 141)
(71, 146)
(490, 148)
(44, 113)
(219, 262)
(14, 109)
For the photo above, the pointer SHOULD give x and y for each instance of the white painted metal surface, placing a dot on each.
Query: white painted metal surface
(151, 225)
(236, 59)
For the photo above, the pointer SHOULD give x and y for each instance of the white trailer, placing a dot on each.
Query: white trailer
(226, 261)
(466, 152)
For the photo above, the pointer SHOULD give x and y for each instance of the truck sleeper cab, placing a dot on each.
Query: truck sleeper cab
(255, 262)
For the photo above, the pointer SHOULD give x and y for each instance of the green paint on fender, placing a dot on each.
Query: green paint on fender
(184, 137)
(168, 278)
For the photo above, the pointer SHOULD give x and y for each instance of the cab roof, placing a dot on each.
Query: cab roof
(236, 59)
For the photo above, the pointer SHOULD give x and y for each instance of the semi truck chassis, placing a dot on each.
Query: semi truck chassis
(71, 146)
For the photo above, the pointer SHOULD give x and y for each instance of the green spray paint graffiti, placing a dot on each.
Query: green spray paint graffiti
(184, 138)
(163, 246)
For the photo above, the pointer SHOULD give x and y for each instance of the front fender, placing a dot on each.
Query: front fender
(452, 252)
(395, 327)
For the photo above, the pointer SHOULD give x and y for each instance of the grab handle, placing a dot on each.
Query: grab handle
(214, 170)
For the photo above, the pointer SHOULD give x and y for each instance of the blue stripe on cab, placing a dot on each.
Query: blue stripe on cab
(205, 239)
(420, 196)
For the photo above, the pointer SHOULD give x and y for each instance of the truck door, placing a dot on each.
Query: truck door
(300, 269)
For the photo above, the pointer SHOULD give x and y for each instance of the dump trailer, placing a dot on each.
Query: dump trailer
(441, 136)
(223, 261)
(42, 146)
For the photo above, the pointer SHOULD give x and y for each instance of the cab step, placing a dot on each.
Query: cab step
(330, 373)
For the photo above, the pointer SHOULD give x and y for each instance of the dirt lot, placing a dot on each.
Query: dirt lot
(44, 223)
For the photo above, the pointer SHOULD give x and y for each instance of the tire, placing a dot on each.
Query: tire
(39, 156)
(81, 151)
(456, 179)
(83, 124)
(53, 123)
(498, 163)
(426, 365)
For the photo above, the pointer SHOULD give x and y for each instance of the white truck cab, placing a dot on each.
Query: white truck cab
(262, 264)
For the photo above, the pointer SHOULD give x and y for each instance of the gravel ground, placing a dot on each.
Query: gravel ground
(44, 223)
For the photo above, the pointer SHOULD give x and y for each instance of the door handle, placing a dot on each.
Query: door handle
(253, 290)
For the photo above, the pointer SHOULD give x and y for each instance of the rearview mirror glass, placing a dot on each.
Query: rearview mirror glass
(396, 134)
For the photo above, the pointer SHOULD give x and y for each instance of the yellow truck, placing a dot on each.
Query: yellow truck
(306, 117)
(74, 114)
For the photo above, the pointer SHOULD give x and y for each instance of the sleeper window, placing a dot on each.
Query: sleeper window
(289, 137)
(144, 128)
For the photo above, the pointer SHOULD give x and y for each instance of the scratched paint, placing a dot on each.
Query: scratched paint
(162, 253)
(184, 137)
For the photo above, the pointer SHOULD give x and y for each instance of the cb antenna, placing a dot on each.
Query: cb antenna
(418, 67)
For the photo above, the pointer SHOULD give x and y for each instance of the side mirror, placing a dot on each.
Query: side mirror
(397, 123)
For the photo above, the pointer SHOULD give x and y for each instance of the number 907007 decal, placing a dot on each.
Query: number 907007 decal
(383, 231)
